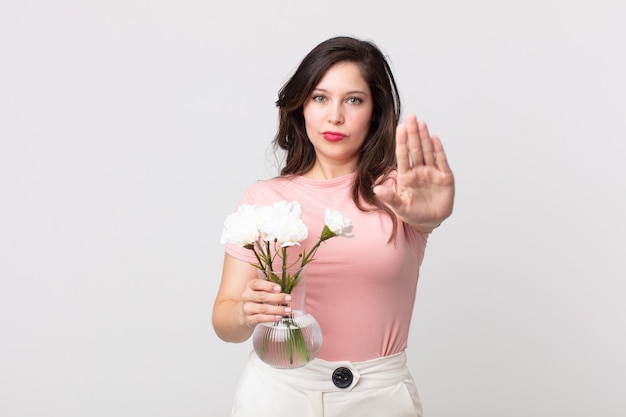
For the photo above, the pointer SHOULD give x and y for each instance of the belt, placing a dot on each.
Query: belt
(328, 376)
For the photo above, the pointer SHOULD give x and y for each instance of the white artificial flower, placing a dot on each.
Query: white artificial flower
(282, 223)
(338, 223)
(261, 228)
(288, 208)
(240, 228)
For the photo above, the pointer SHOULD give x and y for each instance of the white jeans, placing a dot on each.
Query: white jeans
(379, 387)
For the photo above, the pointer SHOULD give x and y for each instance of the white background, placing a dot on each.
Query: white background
(129, 129)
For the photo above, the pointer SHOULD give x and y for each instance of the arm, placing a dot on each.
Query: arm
(424, 193)
(243, 301)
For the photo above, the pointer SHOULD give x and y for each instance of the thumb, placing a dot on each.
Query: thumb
(387, 195)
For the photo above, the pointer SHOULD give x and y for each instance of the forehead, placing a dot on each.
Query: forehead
(343, 75)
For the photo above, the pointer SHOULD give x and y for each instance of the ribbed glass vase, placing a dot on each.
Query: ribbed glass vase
(295, 339)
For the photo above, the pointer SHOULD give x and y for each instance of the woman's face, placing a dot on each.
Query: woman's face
(337, 115)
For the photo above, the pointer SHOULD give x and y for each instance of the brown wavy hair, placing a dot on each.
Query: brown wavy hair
(376, 158)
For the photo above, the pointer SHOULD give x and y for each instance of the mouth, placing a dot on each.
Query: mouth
(333, 136)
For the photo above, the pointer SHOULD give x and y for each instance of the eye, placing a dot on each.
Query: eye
(355, 100)
(318, 98)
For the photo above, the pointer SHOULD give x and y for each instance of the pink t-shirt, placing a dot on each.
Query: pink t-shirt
(361, 289)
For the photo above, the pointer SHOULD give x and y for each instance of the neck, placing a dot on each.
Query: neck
(328, 172)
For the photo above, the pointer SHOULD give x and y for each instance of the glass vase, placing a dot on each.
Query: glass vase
(295, 339)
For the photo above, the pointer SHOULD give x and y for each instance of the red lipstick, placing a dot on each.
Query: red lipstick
(333, 136)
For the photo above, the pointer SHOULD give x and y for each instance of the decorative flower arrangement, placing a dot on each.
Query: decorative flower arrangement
(269, 231)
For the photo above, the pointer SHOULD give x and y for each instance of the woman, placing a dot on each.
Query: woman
(344, 150)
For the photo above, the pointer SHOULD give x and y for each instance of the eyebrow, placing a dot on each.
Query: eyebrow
(347, 92)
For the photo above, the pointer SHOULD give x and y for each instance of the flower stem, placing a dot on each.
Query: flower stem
(309, 256)
(284, 268)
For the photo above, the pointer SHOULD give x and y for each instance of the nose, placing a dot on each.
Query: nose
(335, 114)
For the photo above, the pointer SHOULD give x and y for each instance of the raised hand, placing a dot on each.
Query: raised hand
(424, 193)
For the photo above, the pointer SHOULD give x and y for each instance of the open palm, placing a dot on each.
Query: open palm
(424, 194)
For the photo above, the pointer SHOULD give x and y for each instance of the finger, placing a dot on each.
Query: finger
(427, 144)
(256, 301)
(414, 141)
(255, 309)
(252, 321)
(264, 285)
(257, 312)
(441, 160)
(402, 152)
